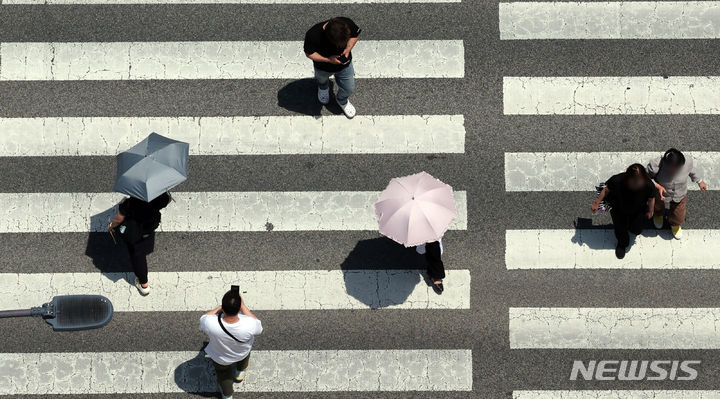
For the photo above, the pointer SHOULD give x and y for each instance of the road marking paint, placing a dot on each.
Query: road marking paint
(261, 135)
(610, 20)
(205, 211)
(595, 249)
(220, 60)
(264, 290)
(615, 328)
(271, 371)
(582, 171)
(608, 95)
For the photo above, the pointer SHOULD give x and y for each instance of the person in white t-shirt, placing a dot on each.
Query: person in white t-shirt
(231, 328)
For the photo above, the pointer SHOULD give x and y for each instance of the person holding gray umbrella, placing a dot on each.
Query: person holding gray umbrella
(146, 172)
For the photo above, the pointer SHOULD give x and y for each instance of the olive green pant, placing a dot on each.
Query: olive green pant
(226, 375)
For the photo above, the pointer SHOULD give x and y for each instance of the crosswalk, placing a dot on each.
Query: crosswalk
(262, 135)
(360, 296)
(220, 60)
(538, 173)
(274, 371)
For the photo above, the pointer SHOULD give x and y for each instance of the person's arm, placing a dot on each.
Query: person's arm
(596, 204)
(116, 221)
(651, 207)
(695, 177)
(244, 310)
(350, 45)
(214, 311)
(319, 58)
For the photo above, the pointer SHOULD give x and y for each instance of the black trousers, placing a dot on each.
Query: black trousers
(226, 375)
(436, 268)
(138, 256)
(624, 223)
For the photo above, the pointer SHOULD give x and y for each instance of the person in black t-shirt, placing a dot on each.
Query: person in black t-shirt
(138, 220)
(631, 195)
(328, 44)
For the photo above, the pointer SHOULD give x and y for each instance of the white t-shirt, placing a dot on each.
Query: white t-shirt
(222, 348)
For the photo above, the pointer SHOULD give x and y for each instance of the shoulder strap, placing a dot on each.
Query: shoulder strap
(225, 329)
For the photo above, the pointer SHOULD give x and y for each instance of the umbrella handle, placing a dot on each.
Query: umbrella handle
(16, 313)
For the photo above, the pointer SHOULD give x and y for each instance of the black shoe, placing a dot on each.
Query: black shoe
(438, 288)
(620, 252)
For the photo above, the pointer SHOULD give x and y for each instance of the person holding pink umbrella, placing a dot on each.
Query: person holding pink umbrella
(417, 210)
(435, 269)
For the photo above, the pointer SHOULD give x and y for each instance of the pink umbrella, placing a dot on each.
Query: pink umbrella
(415, 209)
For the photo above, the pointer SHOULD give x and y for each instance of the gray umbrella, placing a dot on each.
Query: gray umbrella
(152, 167)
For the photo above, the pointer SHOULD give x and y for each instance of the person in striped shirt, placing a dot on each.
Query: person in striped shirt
(670, 174)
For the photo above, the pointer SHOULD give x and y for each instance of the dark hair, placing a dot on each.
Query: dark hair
(673, 157)
(634, 171)
(231, 303)
(338, 32)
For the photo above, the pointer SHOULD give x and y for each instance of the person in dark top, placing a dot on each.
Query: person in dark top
(435, 267)
(328, 44)
(631, 196)
(137, 221)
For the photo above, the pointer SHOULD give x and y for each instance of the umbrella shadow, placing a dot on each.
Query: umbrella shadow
(301, 96)
(396, 277)
(197, 376)
(106, 255)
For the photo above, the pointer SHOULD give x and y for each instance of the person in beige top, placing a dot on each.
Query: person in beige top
(670, 174)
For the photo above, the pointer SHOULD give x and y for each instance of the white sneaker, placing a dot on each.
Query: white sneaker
(348, 109)
(324, 95)
(143, 290)
(240, 376)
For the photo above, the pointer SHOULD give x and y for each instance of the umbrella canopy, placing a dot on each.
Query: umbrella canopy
(415, 209)
(152, 167)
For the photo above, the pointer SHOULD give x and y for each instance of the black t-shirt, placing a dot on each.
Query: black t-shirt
(317, 42)
(628, 201)
(147, 214)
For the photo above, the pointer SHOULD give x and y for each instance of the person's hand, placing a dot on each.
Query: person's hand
(346, 53)
(649, 214)
(334, 60)
(594, 207)
(661, 190)
(702, 186)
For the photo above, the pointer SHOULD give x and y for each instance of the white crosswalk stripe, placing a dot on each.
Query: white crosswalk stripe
(279, 2)
(220, 60)
(204, 211)
(611, 95)
(265, 290)
(614, 328)
(268, 135)
(617, 394)
(582, 171)
(595, 249)
(272, 371)
(610, 20)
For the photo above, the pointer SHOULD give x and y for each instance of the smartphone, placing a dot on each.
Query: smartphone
(235, 288)
(343, 59)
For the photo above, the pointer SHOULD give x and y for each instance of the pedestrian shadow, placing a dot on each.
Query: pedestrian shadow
(301, 96)
(601, 237)
(398, 271)
(106, 256)
(197, 376)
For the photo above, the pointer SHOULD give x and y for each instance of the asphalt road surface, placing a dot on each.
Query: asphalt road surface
(648, 307)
